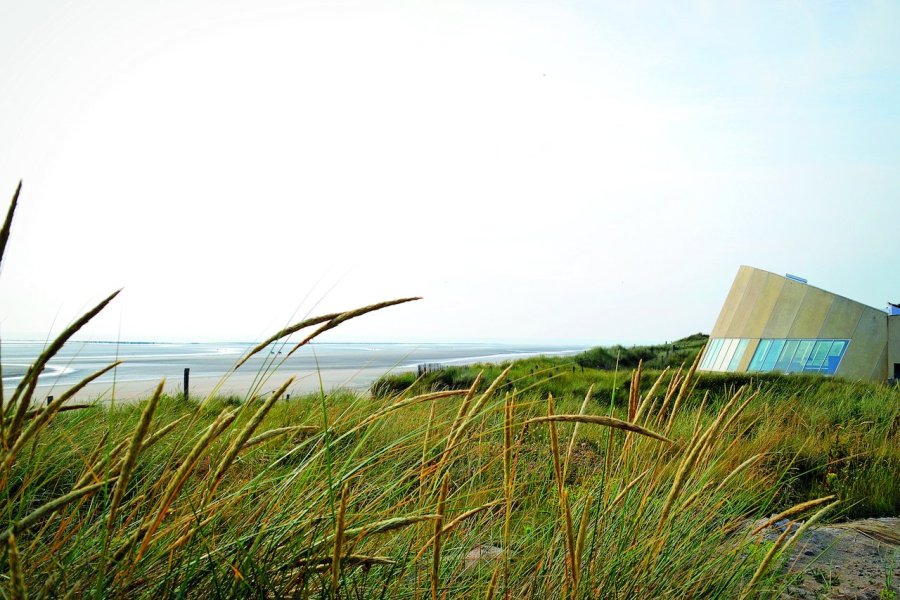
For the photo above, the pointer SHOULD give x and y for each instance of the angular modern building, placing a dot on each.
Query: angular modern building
(775, 323)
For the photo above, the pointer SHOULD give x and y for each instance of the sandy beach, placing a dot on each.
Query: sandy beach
(327, 366)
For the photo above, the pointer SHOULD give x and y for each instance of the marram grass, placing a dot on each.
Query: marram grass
(352, 496)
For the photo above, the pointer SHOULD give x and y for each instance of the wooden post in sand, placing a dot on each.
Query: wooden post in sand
(187, 379)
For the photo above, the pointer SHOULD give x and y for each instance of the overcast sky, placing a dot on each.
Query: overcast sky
(542, 171)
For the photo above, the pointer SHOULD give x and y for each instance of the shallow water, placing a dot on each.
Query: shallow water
(352, 365)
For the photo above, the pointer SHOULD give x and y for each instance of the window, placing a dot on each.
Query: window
(723, 354)
(759, 355)
(795, 356)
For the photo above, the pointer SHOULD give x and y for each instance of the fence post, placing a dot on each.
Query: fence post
(187, 380)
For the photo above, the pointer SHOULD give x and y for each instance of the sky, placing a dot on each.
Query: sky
(550, 172)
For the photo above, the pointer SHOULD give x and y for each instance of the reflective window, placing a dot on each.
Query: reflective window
(835, 354)
(759, 355)
(817, 356)
(725, 355)
(738, 354)
(790, 346)
(789, 356)
(772, 356)
(801, 356)
(712, 350)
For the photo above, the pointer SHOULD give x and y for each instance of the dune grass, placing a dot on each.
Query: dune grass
(346, 495)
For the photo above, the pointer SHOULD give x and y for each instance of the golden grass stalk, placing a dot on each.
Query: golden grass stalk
(817, 516)
(346, 316)
(134, 449)
(21, 398)
(339, 526)
(4, 237)
(570, 537)
(7, 223)
(238, 443)
(93, 469)
(687, 464)
(794, 510)
(363, 531)
(571, 447)
(271, 434)
(651, 395)
(670, 391)
(17, 589)
(582, 531)
(507, 442)
(162, 432)
(683, 391)
(634, 391)
(464, 405)
(492, 586)
(700, 413)
(554, 446)
(767, 559)
(349, 560)
(476, 408)
(621, 495)
(52, 506)
(331, 320)
(738, 470)
(438, 529)
(404, 403)
(44, 417)
(601, 420)
(423, 468)
(177, 480)
(452, 524)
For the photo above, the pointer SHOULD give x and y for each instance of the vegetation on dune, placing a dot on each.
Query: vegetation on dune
(832, 435)
(397, 495)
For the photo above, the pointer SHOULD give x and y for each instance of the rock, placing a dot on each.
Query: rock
(480, 553)
(847, 560)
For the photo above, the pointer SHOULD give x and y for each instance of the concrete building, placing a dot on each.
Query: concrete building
(775, 323)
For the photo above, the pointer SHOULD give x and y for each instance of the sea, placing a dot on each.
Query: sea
(356, 364)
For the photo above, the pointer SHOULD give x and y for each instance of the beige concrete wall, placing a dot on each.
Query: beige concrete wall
(782, 315)
(756, 285)
(811, 314)
(732, 301)
(893, 351)
(842, 318)
(748, 355)
(867, 345)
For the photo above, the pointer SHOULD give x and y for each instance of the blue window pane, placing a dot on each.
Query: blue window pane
(817, 356)
(790, 347)
(799, 360)
(759, 355)
(835, 354)
(774, 352)
(725, 355)
(738, 353)
(711, 351)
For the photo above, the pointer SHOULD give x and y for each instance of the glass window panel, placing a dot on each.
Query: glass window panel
(800, 356)
(707, 356)
(710, 353)
(772, 355)
(817, 356)
(790, 346)
(835, 354)
(719, 347)
(725, 354)
(738, 353)
(759, 355)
